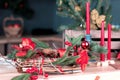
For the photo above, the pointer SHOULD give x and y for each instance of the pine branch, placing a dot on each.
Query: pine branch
(96, 48)
(12, 55)
(65, 57)
(69, 60)
(99, 4)
(22, 77)
(40, 44)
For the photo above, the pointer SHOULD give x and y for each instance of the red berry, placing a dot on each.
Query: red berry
(68, 43)
(79, 49)
(41, 71)
(42, 60)
(75, 47)
(29, 71)
(75, 53)
(34, 69)
(45, 75)
(60, 68)
(34, 77)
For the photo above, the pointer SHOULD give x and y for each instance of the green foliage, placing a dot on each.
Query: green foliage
(30, 53)
(65, 60)
(66, 8)
(40, 44)
(69, 60)
(12, 54)
(96, 48)
(22, 77)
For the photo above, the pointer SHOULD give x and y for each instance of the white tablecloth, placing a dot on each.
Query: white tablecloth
(106, 73)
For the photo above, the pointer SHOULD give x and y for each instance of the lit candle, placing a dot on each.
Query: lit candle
(109, 42)
(102, 56)
(88, 18)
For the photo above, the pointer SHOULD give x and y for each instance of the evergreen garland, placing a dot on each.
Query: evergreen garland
(75, 9)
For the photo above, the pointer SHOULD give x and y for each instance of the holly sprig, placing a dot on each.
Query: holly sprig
(66, 60)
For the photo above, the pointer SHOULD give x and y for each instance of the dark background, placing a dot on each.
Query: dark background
(44, 19)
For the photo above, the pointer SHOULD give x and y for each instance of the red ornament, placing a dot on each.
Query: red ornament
(83, 59)
(84, 44)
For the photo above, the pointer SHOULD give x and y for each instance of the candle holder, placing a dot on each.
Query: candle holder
(88, 37)
(13, 27)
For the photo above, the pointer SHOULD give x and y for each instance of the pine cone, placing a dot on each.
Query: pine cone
(99, 20)
(94, 14)
(47, 51)
(93, 26)
(77, 8)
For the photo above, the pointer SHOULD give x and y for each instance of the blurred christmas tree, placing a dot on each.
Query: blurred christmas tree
(76, 9)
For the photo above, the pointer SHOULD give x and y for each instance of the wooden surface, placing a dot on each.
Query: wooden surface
(5, 43)
(95, 35)
(4, 40)
(105, 73)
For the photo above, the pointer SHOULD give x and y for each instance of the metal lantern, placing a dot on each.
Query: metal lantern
(13, 27)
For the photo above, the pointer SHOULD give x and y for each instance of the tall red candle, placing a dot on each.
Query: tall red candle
(88, 18)
(109, 42)
(102, 42)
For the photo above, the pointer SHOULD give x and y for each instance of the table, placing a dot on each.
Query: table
(105, 73)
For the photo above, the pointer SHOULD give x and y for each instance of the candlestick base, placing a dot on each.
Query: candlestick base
(111, 61)
(88, 37)
(103, 63)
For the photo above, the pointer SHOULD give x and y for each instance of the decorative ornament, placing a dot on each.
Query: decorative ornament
(77, 8)
(99, 20)
(15, 29)
(94, 15)
(84, 44)
(61, 52)
(96, 19)
(83, 59)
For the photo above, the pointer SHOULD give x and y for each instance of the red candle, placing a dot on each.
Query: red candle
(88, 18)
(102, 56)
(109, 42)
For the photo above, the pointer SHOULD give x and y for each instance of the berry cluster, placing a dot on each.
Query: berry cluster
(34, 71)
